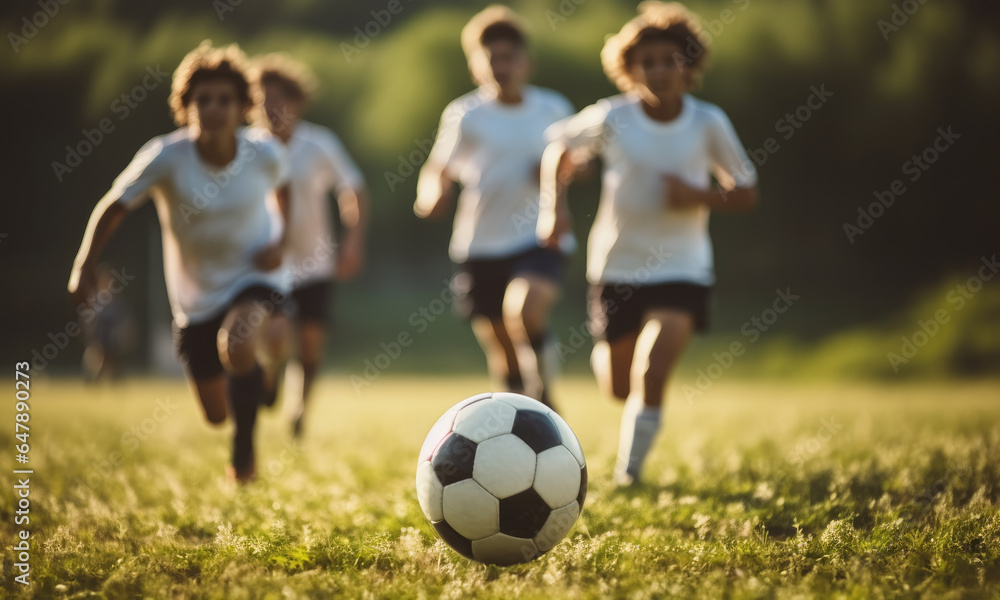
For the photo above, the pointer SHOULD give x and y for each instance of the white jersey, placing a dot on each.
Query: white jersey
(318, 164)
(213, 220)
(494, 150)
(636, 237)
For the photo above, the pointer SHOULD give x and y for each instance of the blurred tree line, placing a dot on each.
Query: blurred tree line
(832, 98)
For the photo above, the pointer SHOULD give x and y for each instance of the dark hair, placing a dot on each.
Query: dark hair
(206, 63)
(289, 87)
(503, 31)
(292, 77)
(657, 21)
(691, 45)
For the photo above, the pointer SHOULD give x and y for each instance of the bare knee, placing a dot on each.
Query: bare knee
(237, 338)
(513, 309)
(527, 303)
(662, 341)
(236, 352)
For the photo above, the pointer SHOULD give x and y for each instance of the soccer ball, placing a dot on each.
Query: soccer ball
(502, 478)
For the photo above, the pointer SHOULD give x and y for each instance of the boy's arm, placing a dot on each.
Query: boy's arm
(435, 191)
(737, 177)
(104, 220)
(269, 257)
(553, 210)
(738, 199)
(436, 182)
(354, 217)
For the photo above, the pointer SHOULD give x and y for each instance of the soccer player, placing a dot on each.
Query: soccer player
(213, 183)
(649, 255)
(318, 164)
(491, 141)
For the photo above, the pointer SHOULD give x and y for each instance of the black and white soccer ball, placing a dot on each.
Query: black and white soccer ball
(502, 478)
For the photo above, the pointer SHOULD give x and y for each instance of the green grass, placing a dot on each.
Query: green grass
(755, 490)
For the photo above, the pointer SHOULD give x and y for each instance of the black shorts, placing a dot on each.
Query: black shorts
(312, 301)
(480, 284)
(197, 346)
(618, 308)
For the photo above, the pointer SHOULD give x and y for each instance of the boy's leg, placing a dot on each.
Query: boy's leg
(612, 364)
(213, 393)
(248, 326)
(527, 304)
(663, 338)
(615, 319)
(310, 341)
(501, 358)
(480, 288)
(197, 352)
(311, 315)
(272, 350)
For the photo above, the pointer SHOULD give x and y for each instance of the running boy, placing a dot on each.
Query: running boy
(649, 255)
(213, 184)
(491, 141)
(319, 164)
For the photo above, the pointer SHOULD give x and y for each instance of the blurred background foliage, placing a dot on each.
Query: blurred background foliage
(385, 79)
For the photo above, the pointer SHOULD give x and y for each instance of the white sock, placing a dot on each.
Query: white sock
(640, 423)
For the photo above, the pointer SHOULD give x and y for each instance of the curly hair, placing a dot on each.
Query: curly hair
(295, 79)
(493, 23)
(206, 63)
(666, 21)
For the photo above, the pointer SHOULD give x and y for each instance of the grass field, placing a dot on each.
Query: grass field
(755, 490)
